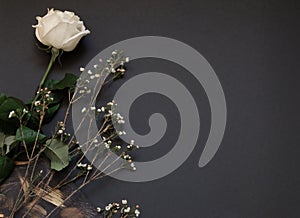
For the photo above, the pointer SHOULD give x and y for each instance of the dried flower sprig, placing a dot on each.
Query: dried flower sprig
(102, 143)
(122, 209)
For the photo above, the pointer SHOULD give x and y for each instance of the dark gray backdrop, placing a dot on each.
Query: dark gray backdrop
(253, 47)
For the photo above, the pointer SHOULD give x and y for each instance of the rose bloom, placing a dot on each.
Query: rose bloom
(61, 30)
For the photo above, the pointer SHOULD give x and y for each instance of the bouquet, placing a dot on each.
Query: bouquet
(35, 168)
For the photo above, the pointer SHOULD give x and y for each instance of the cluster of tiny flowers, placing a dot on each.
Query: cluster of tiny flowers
(114, 65)
(123, 208)
(43, 99)
(85, 166)
(60, 128)
(117, 118)
(18, 113)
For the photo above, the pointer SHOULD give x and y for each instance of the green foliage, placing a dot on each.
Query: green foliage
(59, 91)
(11, 133)
(7, 143)
(29, 135)
(68, 82)
(2, 98)
(6, 167)
(51, 112)
(8, 105)
(58, 153)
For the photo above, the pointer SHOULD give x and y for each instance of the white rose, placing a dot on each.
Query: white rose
(61, 30)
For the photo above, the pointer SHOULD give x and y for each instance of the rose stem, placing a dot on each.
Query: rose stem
(55, 53)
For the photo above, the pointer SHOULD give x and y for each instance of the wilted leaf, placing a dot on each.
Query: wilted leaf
(53, 196)
(58, 153)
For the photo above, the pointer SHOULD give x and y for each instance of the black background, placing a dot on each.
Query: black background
(253, 47)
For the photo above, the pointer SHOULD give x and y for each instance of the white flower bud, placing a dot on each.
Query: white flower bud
(61, 30)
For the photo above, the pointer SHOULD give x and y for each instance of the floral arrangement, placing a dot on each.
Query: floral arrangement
(24, 147)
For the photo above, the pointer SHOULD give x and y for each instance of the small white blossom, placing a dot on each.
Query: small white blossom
(124, 201)
(137, 213)
(83, 110)
(37, 103)
(127, 210)
(108, 207)
(12, 114)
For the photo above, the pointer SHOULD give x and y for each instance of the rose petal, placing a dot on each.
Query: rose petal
(71, 43)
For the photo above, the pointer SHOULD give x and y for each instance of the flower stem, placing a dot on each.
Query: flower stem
(55, 53)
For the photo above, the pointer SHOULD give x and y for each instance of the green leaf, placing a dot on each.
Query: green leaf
(9, 128)
(9, 105)
(58, 153)
(6, 167)
(51, 112)
(68, 82)
(2, 98)
(29, 135)
(50, 84)
(10, 143)
(34, 120)
(7, 143)
(2, 139)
